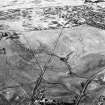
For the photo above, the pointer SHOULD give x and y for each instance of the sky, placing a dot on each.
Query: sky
(29, 3)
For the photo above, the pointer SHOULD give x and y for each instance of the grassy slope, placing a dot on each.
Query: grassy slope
(90, 39)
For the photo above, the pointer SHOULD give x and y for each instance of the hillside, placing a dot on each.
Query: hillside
(68, 35)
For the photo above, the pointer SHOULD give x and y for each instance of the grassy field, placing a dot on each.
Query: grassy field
(19, 69)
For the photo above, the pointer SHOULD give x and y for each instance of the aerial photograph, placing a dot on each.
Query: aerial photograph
(52, 52)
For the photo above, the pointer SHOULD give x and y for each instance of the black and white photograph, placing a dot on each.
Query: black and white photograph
(52, 52)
